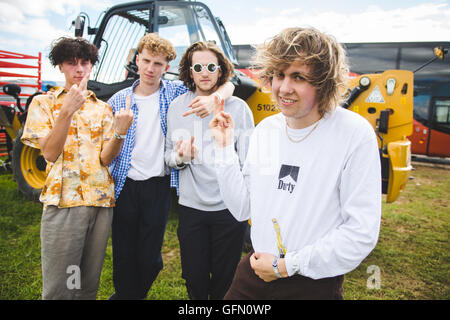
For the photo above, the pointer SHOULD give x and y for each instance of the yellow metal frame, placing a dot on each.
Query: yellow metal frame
(13, 128)
(399, 168)
(262, 105)
(400, 121)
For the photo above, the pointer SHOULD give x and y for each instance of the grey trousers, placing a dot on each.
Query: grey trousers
(73, 244)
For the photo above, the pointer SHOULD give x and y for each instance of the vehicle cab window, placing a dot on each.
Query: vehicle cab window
(442, 114)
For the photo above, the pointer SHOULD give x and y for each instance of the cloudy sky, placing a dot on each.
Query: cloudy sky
(29, 26)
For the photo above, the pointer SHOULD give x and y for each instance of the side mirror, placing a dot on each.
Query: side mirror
(440, 52)
(12, 89)
(79, 25)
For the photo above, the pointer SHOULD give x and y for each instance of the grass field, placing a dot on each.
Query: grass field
(411, 260)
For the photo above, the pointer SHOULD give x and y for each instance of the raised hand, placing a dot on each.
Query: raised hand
(202, 106)
(222, 125)
(186, 151)
(124, 118)
(76, 96)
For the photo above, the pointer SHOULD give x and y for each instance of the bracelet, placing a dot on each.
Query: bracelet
(182, 163)
(119, 136)
(275, 267)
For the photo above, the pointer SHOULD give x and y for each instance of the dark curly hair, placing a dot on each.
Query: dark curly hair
(69, 49)
(226, 67)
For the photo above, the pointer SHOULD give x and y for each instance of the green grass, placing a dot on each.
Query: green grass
(412, 253)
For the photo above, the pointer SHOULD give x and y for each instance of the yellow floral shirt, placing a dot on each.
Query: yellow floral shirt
(76, 178)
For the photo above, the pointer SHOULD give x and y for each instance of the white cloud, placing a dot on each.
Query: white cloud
(44, 8)
(261, 11)
(49, 72)
(33, 24)
(425, 22)
(29, 26)
(36, 29)
(8, 11)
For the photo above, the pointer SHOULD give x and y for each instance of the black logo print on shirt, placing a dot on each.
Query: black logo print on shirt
(287, 178)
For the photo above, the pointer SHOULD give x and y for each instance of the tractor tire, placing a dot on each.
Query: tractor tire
(28, 167)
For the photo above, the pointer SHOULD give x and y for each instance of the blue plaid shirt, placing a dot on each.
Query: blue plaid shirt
(119, 167)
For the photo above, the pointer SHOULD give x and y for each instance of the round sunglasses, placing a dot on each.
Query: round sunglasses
(211, 67)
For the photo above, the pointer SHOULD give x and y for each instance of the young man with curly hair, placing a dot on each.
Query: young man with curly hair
(142, 180)
(210, 237)
(76, 134)
(311, 183)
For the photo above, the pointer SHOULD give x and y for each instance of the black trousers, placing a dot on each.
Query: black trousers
(211, 247)
(138, 226)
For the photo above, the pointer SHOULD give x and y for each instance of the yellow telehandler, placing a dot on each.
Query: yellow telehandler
(385, 99)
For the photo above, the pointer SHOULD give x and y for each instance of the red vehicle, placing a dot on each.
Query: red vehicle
(7, 102)
(28, 164)
(431, 126)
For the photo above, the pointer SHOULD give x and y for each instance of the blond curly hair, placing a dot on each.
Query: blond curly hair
(322, 53)
(157, 45)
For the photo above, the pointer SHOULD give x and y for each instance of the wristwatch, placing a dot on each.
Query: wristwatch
(275, 267)
(119, 136)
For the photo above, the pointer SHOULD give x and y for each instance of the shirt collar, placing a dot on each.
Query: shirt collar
(61, 90)
(162, 85)
(135, 84)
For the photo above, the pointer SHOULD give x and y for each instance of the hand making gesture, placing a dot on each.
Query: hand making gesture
(202, 106)
(222, 125)
(123, 118)
(186, 151)
(76, 96)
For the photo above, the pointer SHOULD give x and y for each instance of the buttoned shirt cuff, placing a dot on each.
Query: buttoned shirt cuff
(225, 155)
(297, 262)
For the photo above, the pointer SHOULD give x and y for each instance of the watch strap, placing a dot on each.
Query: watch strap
(275, 267)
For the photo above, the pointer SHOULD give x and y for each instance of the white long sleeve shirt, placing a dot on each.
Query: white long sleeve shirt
(197, 181)
(324, 191)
